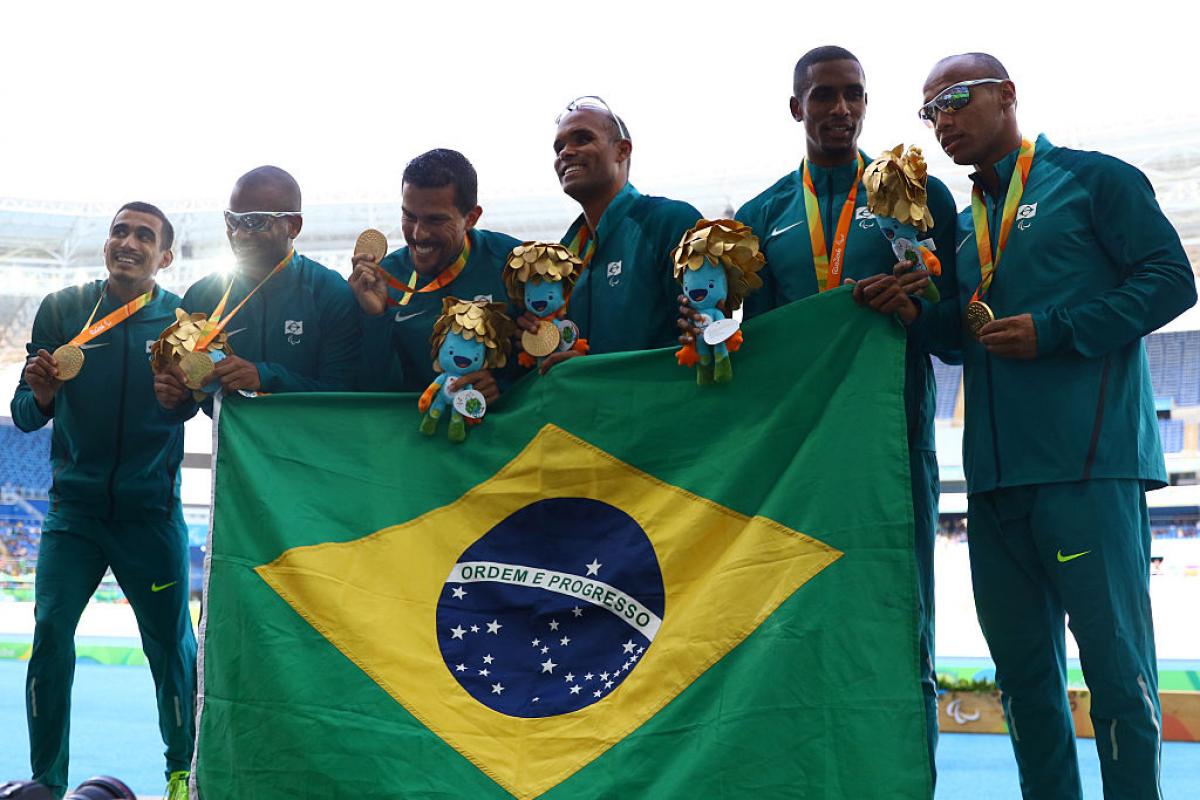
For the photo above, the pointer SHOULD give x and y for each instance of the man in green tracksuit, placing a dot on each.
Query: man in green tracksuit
(1070, 254)
(445, 255)
(830, 99)
(625, 298)
(300, 331)
(115, 498)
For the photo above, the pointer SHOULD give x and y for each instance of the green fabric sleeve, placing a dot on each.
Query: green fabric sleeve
(376, 350)
(46, 335)
(1158, 284)
(947, 346)
(762, 299)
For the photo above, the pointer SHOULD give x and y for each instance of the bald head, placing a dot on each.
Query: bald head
(974, 65)
(265, 189)
(979, 126)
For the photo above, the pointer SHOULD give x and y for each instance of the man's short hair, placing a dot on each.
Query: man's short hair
(443, 167)
(168, 230)
(829, 52)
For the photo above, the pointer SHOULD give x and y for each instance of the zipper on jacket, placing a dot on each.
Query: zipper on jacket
(112, 475)
(987, 360)
(1098, 422)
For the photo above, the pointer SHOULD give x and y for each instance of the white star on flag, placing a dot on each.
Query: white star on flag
(536, 642)
(494, 626)
(553, 624)
(488, 659)
(629, 646)
(577, 611)
(564, 641)
(548, 666)
(575, 689)
(461, 668)
(608, 685)
(570, 677)
(594, 567)
(484, 672)
(474, 629)
(545, 650)
(588, 677)
(603, 676)
(497, 688)
(596, 693)
(459, 593)
(457, 632)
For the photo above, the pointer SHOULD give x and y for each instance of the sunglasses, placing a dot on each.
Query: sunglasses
(954, 98)
(597, 103)
(254, 221)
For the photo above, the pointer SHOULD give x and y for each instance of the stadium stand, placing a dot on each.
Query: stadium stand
(948, 378)
(24, 462)
(1175, 366)
(1171, 432)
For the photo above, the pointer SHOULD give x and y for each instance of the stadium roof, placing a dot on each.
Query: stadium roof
(47, 245)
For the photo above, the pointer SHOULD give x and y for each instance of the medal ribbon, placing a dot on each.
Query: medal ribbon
(444, 278)
(114, 319)
(829, 265)
(583, 246)
(983, 237)
(215, 325)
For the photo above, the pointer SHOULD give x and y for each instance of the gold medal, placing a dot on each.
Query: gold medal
(978, 315)
(542, 343)
(70, 360)
(196, 366)
(371, 243)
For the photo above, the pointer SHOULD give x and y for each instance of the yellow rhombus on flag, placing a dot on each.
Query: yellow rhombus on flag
(622, 585)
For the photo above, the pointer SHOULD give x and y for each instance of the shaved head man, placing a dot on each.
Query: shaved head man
(1065, 261)
(299, 330)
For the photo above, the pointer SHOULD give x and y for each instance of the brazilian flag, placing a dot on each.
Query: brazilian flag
(622, 585)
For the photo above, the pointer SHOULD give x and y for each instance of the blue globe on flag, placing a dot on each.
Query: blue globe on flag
(550, 610)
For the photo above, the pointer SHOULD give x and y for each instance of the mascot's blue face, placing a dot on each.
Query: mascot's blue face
(893, 229)
(705, 287)
(458, 356)
(544, 298)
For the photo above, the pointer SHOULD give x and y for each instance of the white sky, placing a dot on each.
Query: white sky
(169, 101)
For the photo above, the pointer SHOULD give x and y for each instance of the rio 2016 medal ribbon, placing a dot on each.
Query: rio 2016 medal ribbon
(69, 357)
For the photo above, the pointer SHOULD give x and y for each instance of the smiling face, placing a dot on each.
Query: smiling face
(133, 251)
(544, 298)
(832, 105)
(434, 227)
(458, 356)
(705, 287)
(590, 157)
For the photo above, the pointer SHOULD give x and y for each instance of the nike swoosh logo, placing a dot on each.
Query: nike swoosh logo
(154, 587)
(1064, 559)
(90, 345)
(407, 317)
(778, 231)
(968, 238)
(231, 333)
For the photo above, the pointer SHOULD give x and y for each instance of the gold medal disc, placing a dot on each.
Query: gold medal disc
(542, 343)
(978, 314)
(371, 243)
(70, 360)
(196, 366)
